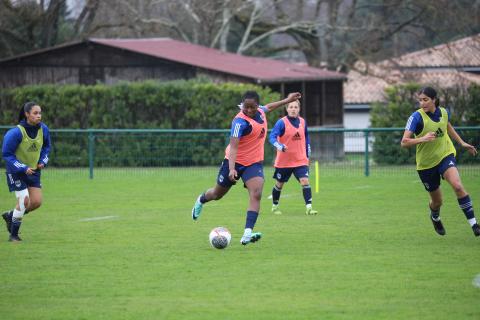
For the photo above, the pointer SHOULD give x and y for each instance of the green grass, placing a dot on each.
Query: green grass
(371, 252)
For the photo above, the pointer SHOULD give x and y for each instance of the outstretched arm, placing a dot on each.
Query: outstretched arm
(455, 136)
(290, 98)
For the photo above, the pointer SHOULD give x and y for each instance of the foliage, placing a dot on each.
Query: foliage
(463, 107)
(193, 104)
(335, 32)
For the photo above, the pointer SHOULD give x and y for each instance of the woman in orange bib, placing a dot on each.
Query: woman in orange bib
(244, 159)
(290, 137)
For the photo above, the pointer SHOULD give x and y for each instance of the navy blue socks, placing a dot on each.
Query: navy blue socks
(307, 194)
(251, 219)
(276, 194)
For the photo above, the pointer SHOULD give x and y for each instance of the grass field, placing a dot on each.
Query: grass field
(371, 252)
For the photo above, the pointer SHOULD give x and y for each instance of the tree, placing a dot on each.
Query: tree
(324, 33)
(28, 25)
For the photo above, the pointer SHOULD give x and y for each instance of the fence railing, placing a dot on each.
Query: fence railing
(338, 150)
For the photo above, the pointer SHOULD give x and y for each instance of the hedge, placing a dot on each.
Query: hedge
(192, 104)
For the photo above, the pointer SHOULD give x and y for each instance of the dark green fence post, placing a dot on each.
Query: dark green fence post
(367, 165)
(91, 151)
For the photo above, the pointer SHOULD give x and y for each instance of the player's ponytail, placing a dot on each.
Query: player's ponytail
(431, 93)
(27, 107)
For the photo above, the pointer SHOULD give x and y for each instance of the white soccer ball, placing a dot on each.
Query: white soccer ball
(220, 237)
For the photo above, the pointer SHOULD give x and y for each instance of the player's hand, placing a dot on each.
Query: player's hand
(233, 175)
(471, 149)
(294, 96)
(30, 171)
(429, 137)
(40, 166)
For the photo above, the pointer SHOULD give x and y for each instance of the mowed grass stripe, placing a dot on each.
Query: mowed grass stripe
(370, 253)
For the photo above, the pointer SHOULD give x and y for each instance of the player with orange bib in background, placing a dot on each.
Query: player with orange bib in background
(290, 137)
(244, 159)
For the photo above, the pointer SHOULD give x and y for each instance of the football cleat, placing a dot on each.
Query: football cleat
(250, 238)
(476, 229)
(7, 216)
(438, 225)
(14, 239)
(310, 211)
(275, 209)
(197, 209)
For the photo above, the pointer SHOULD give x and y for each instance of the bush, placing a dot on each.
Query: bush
(192, 104)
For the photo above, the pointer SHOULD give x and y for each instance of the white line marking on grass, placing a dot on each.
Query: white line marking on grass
(476, 281)
(363, 187)
(281, 196)
(99, 218)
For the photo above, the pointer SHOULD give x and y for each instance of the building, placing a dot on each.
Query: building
(112, 60)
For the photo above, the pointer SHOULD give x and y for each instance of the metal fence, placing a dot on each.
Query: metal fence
(337, 151)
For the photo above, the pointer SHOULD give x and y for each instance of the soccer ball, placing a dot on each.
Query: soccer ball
(220, 237)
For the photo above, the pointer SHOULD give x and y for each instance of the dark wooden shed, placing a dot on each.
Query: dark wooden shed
(112, 60)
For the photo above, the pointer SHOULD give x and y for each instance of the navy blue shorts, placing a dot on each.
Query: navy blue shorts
(283, 174)
(20, 181)
(431, 177)
(244, 172)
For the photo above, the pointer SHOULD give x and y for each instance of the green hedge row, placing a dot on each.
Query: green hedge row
(192, 104)
(171, 105)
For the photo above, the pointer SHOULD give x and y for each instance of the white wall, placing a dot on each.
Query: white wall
(358, 119)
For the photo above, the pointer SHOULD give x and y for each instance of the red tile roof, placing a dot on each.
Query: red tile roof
(366, 89)
(260, 69)
(440, 66)
(460, 53)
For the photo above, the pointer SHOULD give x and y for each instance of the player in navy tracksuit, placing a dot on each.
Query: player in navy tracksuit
(25, 151)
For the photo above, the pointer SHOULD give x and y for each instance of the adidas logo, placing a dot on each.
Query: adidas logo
(296, 136)
(32, 148)
(439, 133)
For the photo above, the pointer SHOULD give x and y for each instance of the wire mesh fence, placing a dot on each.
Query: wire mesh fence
(146, 151)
